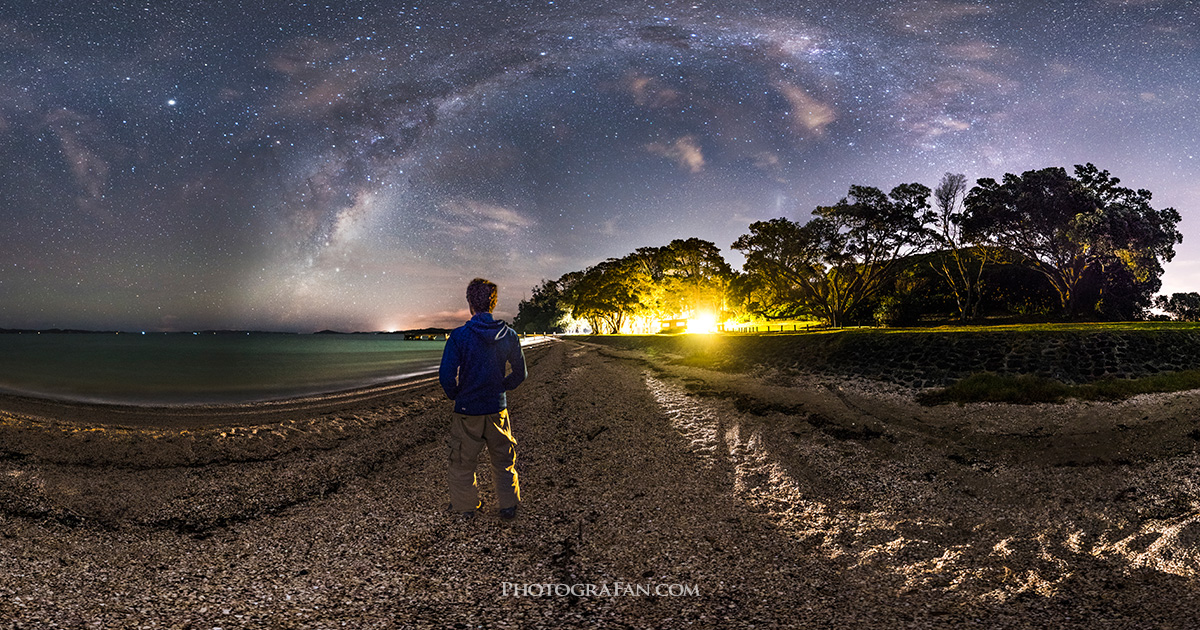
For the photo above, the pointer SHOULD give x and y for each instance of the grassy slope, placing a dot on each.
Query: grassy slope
(980, 387)
(1023, 328)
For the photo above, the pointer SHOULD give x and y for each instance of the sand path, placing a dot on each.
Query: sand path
(775, 501)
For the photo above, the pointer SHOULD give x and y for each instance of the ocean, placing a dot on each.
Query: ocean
(187, 368)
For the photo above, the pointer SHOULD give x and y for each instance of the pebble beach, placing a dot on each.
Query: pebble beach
(656, 494)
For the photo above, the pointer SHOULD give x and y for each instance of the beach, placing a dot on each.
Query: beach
(657, 493)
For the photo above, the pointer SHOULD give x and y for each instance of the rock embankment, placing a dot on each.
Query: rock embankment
(936, 359)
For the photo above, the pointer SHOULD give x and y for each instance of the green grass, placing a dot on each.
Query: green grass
(1120, 389)
(1027, 389)
(988, 387)
(996, 328)
(1046, 327)
(1060, 327)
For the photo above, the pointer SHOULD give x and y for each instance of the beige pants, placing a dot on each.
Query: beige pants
(468, 435)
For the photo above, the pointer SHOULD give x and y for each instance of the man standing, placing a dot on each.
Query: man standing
(473, 376)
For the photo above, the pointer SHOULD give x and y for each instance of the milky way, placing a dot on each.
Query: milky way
(298, 166)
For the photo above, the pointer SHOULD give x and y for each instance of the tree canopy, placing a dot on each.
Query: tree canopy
(1068, 228)
(648, 285)
(1016, 246)
(544, 312)
(1184, 307)
(842, 257)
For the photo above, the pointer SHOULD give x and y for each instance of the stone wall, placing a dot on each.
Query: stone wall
(935, 359)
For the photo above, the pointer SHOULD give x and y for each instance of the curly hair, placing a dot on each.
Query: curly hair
(481, 295)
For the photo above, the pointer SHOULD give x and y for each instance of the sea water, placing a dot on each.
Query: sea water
(182, 368)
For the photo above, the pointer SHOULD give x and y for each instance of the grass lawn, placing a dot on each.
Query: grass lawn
(1022, 328)
(1057, 327)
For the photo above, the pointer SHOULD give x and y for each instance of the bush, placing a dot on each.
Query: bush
(1027, 389)
(894, 311)
(989, 387)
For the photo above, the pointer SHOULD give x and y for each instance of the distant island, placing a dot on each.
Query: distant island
(417, 333)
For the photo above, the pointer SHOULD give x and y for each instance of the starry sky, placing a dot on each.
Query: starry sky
(297, 166)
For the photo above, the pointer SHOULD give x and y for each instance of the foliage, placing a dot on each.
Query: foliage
(752, 297)
(916, 290)
(648, 285)
(1120, 389)
(1183, 307)
(1116, 292)
(606, 294)
(1068, 228)
(843, 257)
(968, 253)
(695, 277)
(894, 311)
(544, 312)
(1012, 289)
(1038, 246)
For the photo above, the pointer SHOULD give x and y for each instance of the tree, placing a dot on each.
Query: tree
(843, 257)
(637, 291)
(695, 277)
(1184, 307)
(1132, 241)
(755, 296)
(963, 266)
(607, 294)
(1070, 228)
(544, 312)
(647, 274)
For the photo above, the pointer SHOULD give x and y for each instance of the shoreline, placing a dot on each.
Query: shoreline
(198, 414)
(195, 415)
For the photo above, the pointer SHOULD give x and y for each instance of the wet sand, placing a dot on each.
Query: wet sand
(775, 499)
(198, 416)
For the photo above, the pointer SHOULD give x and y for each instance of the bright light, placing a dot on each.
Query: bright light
(703, 322)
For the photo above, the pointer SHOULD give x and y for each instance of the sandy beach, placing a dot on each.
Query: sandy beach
(696, 498)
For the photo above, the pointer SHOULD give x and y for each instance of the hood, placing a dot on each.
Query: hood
(483, 326)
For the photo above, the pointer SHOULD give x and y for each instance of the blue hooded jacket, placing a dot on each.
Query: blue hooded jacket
(473, 362)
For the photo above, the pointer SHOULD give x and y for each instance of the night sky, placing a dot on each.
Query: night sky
(352, 165)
